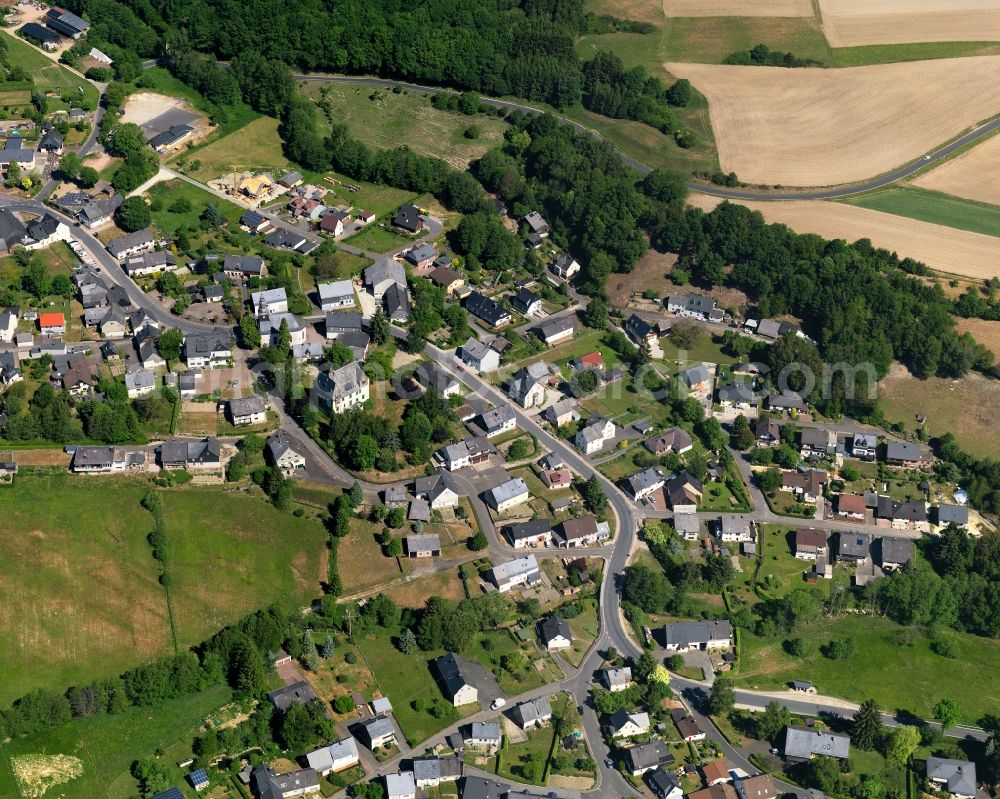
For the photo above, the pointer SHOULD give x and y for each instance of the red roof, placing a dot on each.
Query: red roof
(51, 320)
(592, 359)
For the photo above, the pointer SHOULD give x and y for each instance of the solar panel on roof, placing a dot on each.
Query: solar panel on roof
(170, 793)
(198, 777)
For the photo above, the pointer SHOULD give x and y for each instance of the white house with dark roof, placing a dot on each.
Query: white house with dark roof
(382, 274)
(280, 453)
(644, 484)
(483, 735)
(344, 388)
(533, 713)
(467, 452)
(687, 636)
(556, 633)
(527, 387)
(509, 494)
(132, 244)
(247, 410)
(695, 306)
(514, 573)
(269, 301)
(207, 350)
(454, 679)
(480, 356)
(627, 724)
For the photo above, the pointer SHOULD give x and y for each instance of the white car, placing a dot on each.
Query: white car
(498, 703)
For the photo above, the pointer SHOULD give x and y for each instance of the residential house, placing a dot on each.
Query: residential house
(296, 693)
(639, 330)
(557, 478)
(806, 484)
(280, 453)
(481, 357)
(526, 302)
(430, 375)
(487, 309)
(688, 728)
(290, 180)
(247, 410)
(207, 350)
(97, 460)
(431, 771)
(498, 421)
(851, 506)
(343, 388)
(556, 633)
(803, 744)
(408, 218)
(665, 784)
(397, 303)
(400, 785)
(533, 713)
(759, 787)
(212, 294)
(583, 531)
(149, 357)
(340, 323)
(286, 239)
(255, 222)
(338, 756)
(696, 379)
(956, 777)
(113, 323)
(382, 274)
(644, 484)
(426, 545)
(150, 263)
(787, 401)
(906, 455)
(646, 757)
(767, 432)
(421, 256)
(594, 435)
(591, 360)
(687, 525)
(377, 733)
(951, 514)
(453, 677)
(686, 636)
(527, 387)
(268, 785)
(170, 137)
(467, 452)
(817, 444)
(447, 278)
(140, 383)
(683, 492)
(45, 231)
(911, 515)
(853, 547)
(716, 772)
(696, 306)
(204, 454)
(439, 489)
(561, 413)
(564, 266)
(556, 331)
(537, 225)
(864, 446)
(769, 329)
(483, 736)
(628, 723)
(52, 324)
(533, 533)
(737, 395)
(669, 441)
(811, 544)
(333, 222)
(735, 528)
(617, 679)
(336, 294)
(132, 244)
(514, 573)
(244, 266)
(895, 553)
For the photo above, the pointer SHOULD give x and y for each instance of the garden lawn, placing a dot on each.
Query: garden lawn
(107, 745)
(514, 756)
(374, 197)
(489, 647)
(919, 677)
(406, 679)
(47, 75)
(934, 207)
(360, 559)
(585, 628)
(340, 265)
(255, 146)
(378, 240)
(168, 192)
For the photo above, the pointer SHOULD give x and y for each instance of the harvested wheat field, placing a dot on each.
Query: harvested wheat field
(974, 175)
(942, 248)
(822, 127)
(848, 23)
(985, 331)
(737, 8)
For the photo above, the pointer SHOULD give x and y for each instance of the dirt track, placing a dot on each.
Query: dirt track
(973, 174)
(816, 127)
(737, 8)
(945, 249)
(847, 23)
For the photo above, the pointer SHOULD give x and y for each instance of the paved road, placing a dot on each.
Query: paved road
(824, 193)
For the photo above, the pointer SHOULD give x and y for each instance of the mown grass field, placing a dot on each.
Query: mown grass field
(255, 145)
(910, 678)
(380, 200)
(168, 192)
(98, 743)
(46, 74)
(377, 240)
(383, 119)
(935, 207)
(890, 53)
(80, 590)
(709, 40)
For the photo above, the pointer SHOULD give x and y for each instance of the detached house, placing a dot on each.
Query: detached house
(906, 455)
(686, 636)
(438, 489)
(683, 492)
(527, 387)
(509, 494)
(767, 432)
(207, 350)
(665, 784)
(695, 306)
(132, 244)
(810, 544)
(556, 633)
(628, 723)
(639, 330)
(338, 756)
(673, 440)
(343, 388)
(513, 573)
(467, 452)
(584, 531)
(807, 484)
(564, 267)
(481, 357)
(594, 435)
(803, 744)
(895, 553)
(335, 295)
(247, 410)
(533, 533)
(498, 421)
(280, 453)
(957, 777)
(487, 309)
(646, 757)
(451, 674)
(617, 679)
(853, 547)
(644, 484)
(533, 713)
(818, 444)
(556, 331)
(561, 413)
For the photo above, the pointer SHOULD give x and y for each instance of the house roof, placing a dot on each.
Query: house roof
(694, 375)
(674, 438)
(427, 542)
(804, 743)
(486, 308)
(904, 451)
(622, 717)
(524, 299)
(854, 544)
(173, 134)
(510, 569)
(644, 480)
(914, 510)
(451, 673)
(485, 730)
(897, 550)
(958, 776)
(445, 276)
(759, 787)
(555, 327)
(140, 238)
(407, 217)
(51, 320)
(245, 406)
(695, 303)
(529, 529)
(805, 539)
(952, 514)
(653, 753)
(555, 627)
(325, 758)
(377, 727)
(400, 784)
(686, 633)
(716, 770)
(478, 788)
(336, 289)
(385, 269)
(420, 252)
(851, 503)
(299, 692)
(40, 33)
(581, 527)
(532, 711)
(664, 782)
(620, 676)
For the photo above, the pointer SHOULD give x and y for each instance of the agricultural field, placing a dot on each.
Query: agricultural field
(386, 120)
(984, 331)
(954, 252)
(848, 23)
(95, 743)
(934, 207)
(966, 407)
(737, 8)
(920, 677)
(86, 590)
(48, 76)
(971, 175)
(255, 146)
(838, 126)
(709, 40)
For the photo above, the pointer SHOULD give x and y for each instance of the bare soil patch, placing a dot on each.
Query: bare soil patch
(972, 175)
(143, 107)
(414, 593)
(942, 248)
(848, 23)
(816, 127)
(41, 457)
(650, 273)
(35, 774)
(737, 8)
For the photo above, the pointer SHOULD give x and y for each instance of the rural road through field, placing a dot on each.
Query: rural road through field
(734, 193)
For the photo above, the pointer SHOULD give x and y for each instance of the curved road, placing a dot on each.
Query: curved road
(824, 193)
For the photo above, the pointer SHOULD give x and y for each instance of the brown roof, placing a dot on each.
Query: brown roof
(851, 503)
(716, 770)
(445, 276)
(687, 726)
(723, 791)
(810, 538)
(579, 528)
(759, 787)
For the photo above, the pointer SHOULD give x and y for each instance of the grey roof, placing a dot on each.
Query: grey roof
(342, 381)
(509, 489)
(204, 344)
(529, 529)
(737, 392)
(553, 327)
(15, 150)
(958, 776)
(400, 784)
(554, 627)
(475, 348)
(142, 379)
(208, 450)
(644, 480)
(695, 374)
(495, 418)
(344, 322)
(952, 514)
(247, 264)
(914, 510)
(485, 730)
(173, 134)
(323, 759)
(245, 406)
(486, 308)
(93, 456)
(897, 550)
(397, 302)
(621, 717)
(12, 229)
(100, 209)
(426, 768)
(663, 782)
(853, 545)
(695, 303)
(804, 744)
(503, 572)
(41, 229)
(299, 692)
(420, 252)
(646, 755)
(335, 289)
(451, 674)
(278, 444)
(619, 676)
(268, 296)
(385, 269)
(66, 22)
(532, 711)
(285, 239)
(524, 299)
(124, 243)
(786, 399)
(685, 633)
(428, 542)
(903, 451)
(377, 727)
(40, 33)
(407, 217)
(253, 219)
(478, 788)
